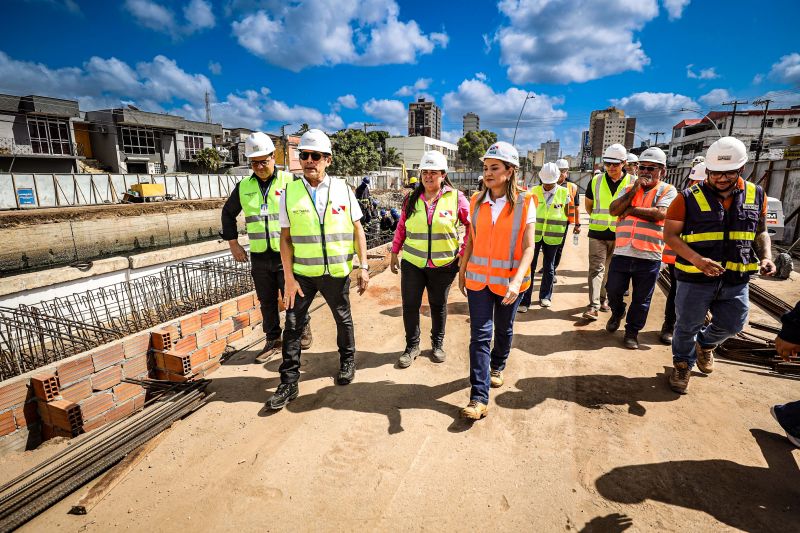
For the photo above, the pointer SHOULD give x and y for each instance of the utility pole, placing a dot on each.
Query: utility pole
(370, 124)
(208, 109)
(765, 102)
(284, 142)
(656, 133)
(733, 114)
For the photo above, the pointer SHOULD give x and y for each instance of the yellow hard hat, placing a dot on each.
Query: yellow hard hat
(412, 180)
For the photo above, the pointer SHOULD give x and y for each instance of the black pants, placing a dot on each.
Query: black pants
(560, 249)
(669, 308)
(413, 281)
(267, 275)
(336, 292)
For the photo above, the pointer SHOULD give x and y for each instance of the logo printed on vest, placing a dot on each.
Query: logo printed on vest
(337, 210)
(750, 206)
(445, 214)
(300, 210)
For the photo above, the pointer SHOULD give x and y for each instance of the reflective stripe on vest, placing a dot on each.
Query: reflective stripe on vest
(260, 228)
(601, 218)
(496, 247)
(723, 237)
(668, 255)
(321, 247)
(437, 241)
(551, 220)
(643, 234)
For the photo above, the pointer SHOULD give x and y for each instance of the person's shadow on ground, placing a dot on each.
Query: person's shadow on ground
(750, 498)
(590, 391)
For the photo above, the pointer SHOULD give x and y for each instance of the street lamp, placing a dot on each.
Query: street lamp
(702, 115)
(528, 96)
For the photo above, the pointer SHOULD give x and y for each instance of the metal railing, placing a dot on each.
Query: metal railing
(9, 146)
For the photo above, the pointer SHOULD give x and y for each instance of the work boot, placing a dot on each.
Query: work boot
(285, 393)
(408, 356)
(604, 307)
(272, 347)
(591, 314)
(496, 378)
(613, 323)
(546, 302)
(347, 371)
(666, 333)
(306, 338)
(555, 279)
(679, 378)
(631, 341)
(522, 309)
(438, 355)
(705, 358)
(474, 410)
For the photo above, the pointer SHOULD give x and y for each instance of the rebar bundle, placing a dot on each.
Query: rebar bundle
(34, 336)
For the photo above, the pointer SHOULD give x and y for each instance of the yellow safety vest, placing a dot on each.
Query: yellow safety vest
(262, 227)
(552, 220)
(437, 241)
(601, 219)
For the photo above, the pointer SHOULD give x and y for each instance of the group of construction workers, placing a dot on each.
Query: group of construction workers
(304, 233)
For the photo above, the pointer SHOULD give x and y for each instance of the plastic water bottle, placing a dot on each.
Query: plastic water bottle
(575, 239)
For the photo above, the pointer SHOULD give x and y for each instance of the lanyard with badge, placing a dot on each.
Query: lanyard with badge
(264, 209)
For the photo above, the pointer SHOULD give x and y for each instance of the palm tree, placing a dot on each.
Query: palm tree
(208, 159)
(391, 158)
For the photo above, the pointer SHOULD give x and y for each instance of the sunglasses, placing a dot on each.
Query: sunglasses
(315, 156)
(647, 168)
(610, 164)
(259, 163)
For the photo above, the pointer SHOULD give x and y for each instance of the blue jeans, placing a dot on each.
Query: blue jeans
(487, 313)
(548, 271)
(728, 305)
(644, 274)
(788, 416)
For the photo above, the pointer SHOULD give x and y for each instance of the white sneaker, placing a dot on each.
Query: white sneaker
(522, 309)
(545, 302)
(792, 439)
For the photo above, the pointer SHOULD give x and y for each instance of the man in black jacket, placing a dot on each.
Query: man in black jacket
(787, 344)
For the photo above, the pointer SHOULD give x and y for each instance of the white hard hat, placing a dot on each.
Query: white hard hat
(727, 153)
(504, 152)
(549, 173)
(632, 158)
(315, 141)
(562, 163)
(698, 159)
(258, 144)
(615, 153)
(597, 171)
(654, 155)
(698, 172)
(433, 160)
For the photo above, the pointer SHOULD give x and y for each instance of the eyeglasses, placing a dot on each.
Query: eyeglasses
(729, 174)
(259, 163)
(315, 156)
(647, 168)
(610, 164)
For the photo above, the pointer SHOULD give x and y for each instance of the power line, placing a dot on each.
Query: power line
(733, 113)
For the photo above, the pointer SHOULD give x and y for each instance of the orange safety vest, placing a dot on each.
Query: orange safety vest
(496, 247)
(668, 256)
(573, 190)
(643, 234)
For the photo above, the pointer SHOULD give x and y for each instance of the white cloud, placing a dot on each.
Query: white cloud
(150, 14)
(715, 97)
(481, 76)
(319, 32)
(675, 8)
(757, 79)
(392, 114)
(572, 40)
(704, 74)
(787, 69)
(656, 112)
(215, 68)
(498, 111)
(348, 101)
(420, 85)
(69, 5)
(451, 136)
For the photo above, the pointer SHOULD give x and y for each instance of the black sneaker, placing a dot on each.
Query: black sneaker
(437, 354)
(408, 356)
(631, 341)
(613, 323)
(346, 372)
(306, 338)
(285, 393)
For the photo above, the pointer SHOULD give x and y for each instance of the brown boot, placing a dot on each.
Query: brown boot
(496, 379)
(679, 378)
(474, 410)
(306, 338)
(705, 358)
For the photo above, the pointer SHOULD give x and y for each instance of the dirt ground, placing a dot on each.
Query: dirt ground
(584, 435)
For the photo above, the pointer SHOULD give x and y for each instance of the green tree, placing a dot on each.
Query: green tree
(303, 128)
(391, 158)
(473, 145)
(208, 159)
(353, 153)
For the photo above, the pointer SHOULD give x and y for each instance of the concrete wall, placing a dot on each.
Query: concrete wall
(104, 145)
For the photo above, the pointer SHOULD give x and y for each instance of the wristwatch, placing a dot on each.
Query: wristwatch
(365, 266)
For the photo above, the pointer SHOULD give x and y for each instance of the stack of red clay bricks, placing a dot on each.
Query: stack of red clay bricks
(192, 348)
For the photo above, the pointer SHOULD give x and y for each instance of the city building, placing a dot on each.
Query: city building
(536, 157)
(412, 148)
(472, 122)
(41, 134)
(585, 151)
(692, 137)
(131, 141)
(424, 118)
(610, 126)
(551, 150)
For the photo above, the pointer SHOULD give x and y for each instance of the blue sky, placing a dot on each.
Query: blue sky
(340, 63)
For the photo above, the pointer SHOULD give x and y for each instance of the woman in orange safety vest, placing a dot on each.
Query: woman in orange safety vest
(495, 270)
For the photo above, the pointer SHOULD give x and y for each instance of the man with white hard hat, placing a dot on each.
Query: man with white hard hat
(642, 209)
(320, 232)
(574, 215)
(551, 202)
(599, 195)
(632, 165)
(697, 174)
(718, 230)
(259, 197)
